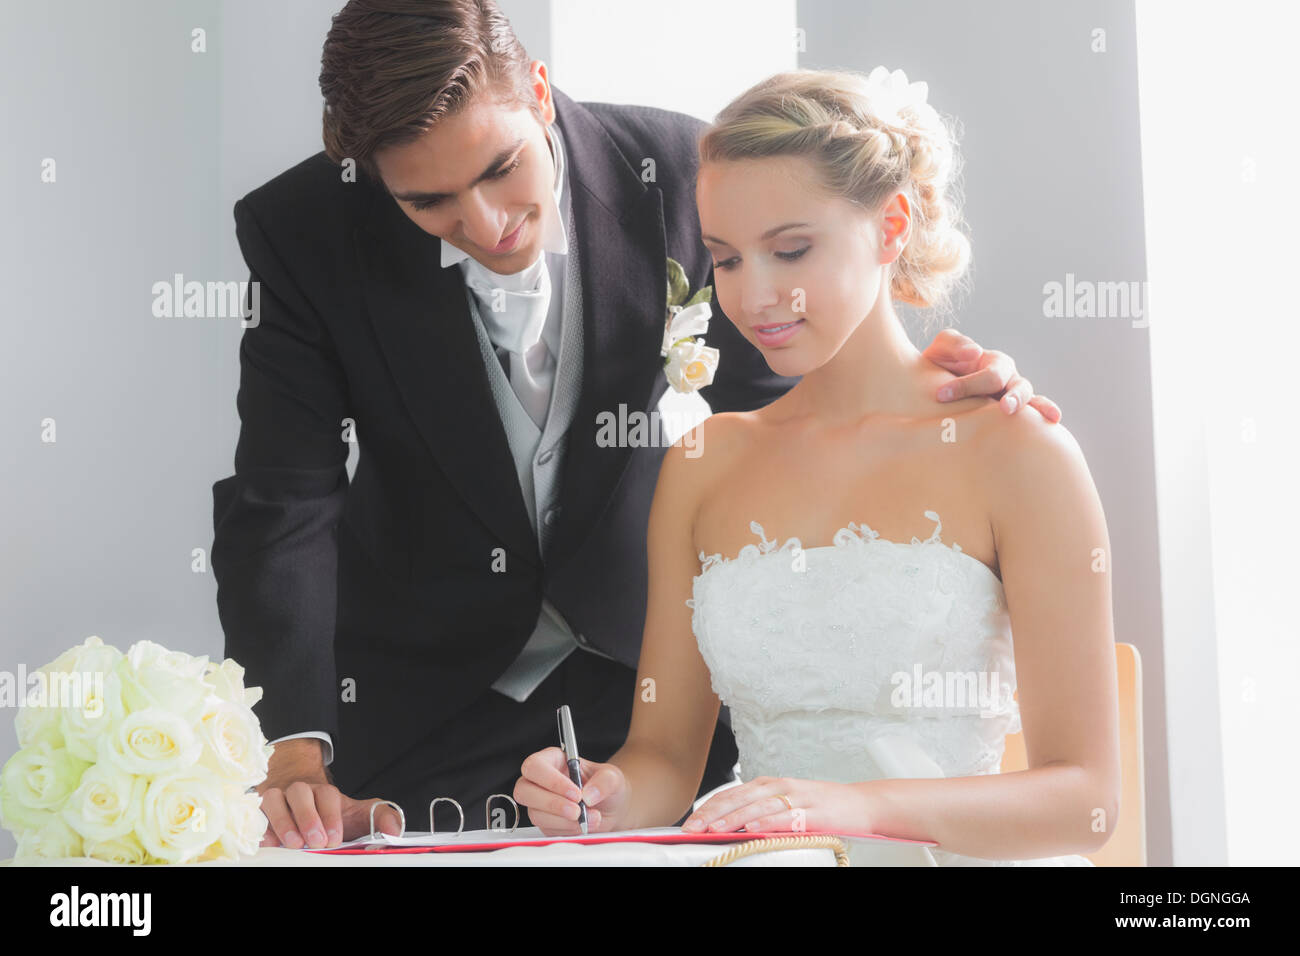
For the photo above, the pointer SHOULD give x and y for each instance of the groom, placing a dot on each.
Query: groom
(463, 282)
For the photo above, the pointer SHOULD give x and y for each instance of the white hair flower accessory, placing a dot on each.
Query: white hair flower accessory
(891, 94)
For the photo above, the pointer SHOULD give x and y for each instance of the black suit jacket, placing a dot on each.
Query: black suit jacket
(369, 609)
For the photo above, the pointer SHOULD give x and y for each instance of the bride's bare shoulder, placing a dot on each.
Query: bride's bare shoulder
(1024, 433)
(1023, 454)
(704, 454)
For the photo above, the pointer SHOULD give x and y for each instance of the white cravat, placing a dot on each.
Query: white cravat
(514, 308)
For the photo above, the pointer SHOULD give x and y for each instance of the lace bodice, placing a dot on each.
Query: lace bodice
(861, 659)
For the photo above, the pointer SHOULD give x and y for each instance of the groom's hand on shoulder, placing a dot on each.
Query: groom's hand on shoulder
(984, 372)
(302, 807)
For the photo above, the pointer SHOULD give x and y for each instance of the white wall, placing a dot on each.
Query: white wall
(685, 55)
(97, 528)
(1219, 143)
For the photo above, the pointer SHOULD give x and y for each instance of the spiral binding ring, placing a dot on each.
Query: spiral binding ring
(381, 803)
(487, 811)
(434, 801)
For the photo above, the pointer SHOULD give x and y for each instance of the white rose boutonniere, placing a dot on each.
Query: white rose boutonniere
(689, 364)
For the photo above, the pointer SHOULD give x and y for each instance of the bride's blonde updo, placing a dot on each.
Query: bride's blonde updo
(867, 139)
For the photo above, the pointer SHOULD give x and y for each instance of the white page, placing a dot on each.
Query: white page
(534, 835)
(521, 835)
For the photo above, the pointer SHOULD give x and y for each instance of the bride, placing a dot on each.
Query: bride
(868, 660)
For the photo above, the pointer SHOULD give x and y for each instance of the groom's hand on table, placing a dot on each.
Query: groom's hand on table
(984, 372)
(302, 807)
(552, 798)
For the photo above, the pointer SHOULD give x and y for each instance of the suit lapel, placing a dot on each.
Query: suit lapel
(421, 317)
(620, 227)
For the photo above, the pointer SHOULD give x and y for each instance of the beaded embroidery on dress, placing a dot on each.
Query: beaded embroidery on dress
(814, 650)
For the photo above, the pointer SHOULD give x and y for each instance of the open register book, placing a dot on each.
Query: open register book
(497, 839)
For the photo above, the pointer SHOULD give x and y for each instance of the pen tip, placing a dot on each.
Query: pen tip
(584, 828)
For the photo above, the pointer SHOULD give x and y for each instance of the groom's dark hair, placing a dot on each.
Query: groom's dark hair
(390, 69)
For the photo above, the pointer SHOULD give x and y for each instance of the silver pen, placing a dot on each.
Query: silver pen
(569, 744)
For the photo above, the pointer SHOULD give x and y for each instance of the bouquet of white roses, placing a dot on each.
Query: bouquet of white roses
(143, 757)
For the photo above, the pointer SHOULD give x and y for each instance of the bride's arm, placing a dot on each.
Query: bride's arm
(1054, 556)
(675, 709)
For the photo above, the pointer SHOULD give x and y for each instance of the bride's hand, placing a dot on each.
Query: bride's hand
(552, 798)
(757, 805)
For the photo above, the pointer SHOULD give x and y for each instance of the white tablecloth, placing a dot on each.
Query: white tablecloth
(571, 854)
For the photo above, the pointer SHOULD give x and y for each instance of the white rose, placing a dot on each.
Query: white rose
(106, 805)
(227, 681)
(245, 826)
(92, 655)
(153, 676)
(123, 849)
(19, 818)
(99, 710)
(65, 660)
(233, 745)
(182, 815)
(37, 724)
(34, 783)
(39, 719)
(54, 840)
(691, 365)
(149, 742)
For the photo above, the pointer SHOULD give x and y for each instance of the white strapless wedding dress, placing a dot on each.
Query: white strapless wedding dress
(816, 650)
